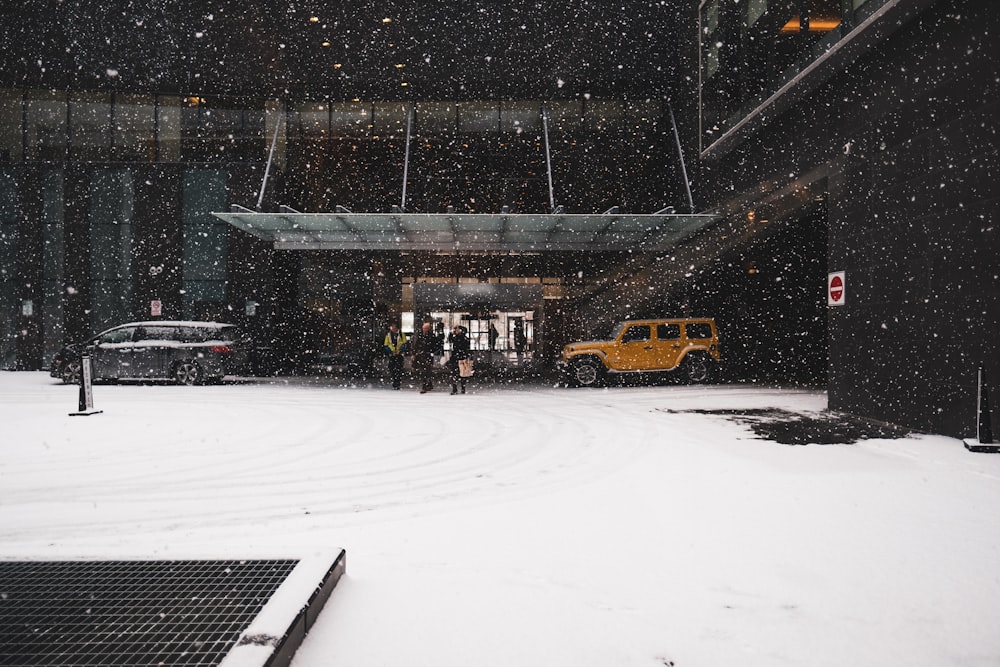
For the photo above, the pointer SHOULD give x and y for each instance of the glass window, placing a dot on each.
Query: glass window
(9, 282)
(46, 127)
(564, 116)
(218, 129)
(117, 336)
(158, 333)
(168, 129)
(134, 132)
(698, 330)
(11, 126)
(351, 119)
(755, 9)
(520, 117)
(668, 331)
(605, 116)
(389, 119)
(90, 126)
(205, 238)
(636, 333)
(112, 201)
(311, 119)
(478, 117)
(436, 117)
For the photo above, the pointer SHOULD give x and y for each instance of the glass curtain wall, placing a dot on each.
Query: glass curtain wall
(112, 203)
(750, 49)
(8, 262)
(477, 157)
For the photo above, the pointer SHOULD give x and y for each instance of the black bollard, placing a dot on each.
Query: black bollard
(985, 429)
(86, 401)
(983, 442)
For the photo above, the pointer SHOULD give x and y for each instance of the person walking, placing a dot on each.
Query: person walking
(395, 345)
(520, 341)
(422, 347)
(493, 334)
(459, 340)
(438, 341)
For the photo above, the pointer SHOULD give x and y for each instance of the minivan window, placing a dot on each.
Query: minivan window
(156, 333)
(117, 336)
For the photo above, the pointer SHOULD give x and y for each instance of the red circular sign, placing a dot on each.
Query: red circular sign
(836, 288)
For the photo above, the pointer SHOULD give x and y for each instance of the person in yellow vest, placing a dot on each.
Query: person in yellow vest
(395, 346)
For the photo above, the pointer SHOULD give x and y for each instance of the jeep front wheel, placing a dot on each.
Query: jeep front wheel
(588, 372)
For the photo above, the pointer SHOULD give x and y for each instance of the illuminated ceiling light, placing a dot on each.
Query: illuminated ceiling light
(326, 43)
(387, 20)
(337, 65)
(404, 84)
(400, 65)
(314, 19)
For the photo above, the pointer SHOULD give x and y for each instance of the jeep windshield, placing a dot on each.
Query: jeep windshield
(616, 331)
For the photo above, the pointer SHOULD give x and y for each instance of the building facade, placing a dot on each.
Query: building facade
(828, 136)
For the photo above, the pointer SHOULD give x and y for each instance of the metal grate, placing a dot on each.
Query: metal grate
(130, 612)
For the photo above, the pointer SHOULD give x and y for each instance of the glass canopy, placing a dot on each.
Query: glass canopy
(457, 232)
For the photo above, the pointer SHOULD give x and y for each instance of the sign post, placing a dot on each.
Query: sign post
(86, 389)
(836, 288)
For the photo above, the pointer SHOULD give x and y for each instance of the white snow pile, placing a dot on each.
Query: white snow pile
(525, 525)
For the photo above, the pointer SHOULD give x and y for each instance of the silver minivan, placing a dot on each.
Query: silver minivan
(186, 352)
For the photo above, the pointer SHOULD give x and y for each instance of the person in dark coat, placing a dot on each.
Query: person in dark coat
(520, 341)
(459, 340)
(422, 347)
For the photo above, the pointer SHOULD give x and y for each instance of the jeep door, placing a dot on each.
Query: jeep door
(635, 348)
(667, 346)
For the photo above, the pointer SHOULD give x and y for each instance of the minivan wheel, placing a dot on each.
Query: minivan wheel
(588, 372)
(71, 373)
(696, 369)
(186, 372)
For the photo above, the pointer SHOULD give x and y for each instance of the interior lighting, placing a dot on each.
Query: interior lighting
(816, 24)
(314, 19)
(400, 65)
(326, 43)
(387, 20)
(337, 65)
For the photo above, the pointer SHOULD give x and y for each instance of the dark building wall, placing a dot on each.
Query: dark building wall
(905, 142)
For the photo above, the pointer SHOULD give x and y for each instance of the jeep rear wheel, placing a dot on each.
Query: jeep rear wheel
(588, 372)
(696, 369)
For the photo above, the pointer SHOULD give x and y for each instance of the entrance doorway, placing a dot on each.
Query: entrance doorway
(505, 321)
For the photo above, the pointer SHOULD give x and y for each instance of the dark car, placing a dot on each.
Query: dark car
(185, 352)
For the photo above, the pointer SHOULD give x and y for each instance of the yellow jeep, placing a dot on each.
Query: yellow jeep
(688, 346)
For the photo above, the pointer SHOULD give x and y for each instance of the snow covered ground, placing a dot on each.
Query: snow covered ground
(528, 525)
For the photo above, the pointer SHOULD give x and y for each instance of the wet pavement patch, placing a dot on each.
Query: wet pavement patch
(818, 428)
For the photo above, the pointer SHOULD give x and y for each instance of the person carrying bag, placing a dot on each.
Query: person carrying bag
(460, 360)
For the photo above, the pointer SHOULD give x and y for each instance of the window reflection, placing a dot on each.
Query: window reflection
(45, 134)
(90, 126)
(11, 131)
(134, 137)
